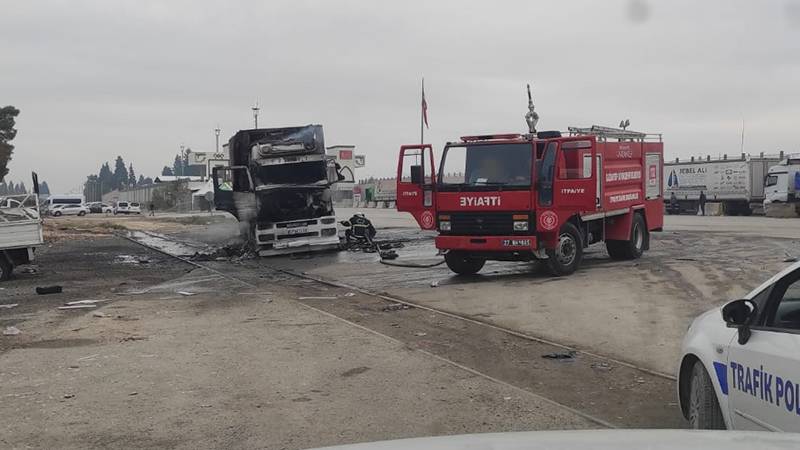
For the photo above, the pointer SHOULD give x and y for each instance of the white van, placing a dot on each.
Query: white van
(127, 208)
(55, 200)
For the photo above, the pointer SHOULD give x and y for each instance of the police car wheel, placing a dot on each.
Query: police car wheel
(568, 254)
(462, 264)
(704, 411)
(5, 268)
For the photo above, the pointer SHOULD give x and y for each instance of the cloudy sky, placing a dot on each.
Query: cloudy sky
(97, 79)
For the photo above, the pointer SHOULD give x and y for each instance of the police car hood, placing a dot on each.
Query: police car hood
(594, 440)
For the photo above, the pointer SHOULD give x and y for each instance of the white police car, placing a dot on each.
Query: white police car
(740, 367)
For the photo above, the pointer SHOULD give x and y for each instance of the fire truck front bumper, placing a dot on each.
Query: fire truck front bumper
(487, 243)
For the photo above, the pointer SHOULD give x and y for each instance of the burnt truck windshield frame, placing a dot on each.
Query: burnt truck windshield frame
(487, 166)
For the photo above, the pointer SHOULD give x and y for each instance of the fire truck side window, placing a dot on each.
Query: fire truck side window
(570, 164)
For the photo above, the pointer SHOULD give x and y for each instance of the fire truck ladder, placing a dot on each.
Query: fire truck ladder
(605, 133)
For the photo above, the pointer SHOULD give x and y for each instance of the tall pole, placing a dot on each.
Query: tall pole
(255, 109)
(422, 116)
(216, 134)
(742, 148)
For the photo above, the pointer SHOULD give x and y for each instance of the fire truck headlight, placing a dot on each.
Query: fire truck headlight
(444, 226)
(520, 225)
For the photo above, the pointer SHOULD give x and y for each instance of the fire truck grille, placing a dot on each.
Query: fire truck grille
(481, 224)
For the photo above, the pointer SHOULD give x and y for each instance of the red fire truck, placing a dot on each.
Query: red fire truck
(538, 196)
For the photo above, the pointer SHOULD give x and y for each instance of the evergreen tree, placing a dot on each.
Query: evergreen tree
(131, 176)
(167, 171)
(106, 179)
(177, 166)
(44, 189)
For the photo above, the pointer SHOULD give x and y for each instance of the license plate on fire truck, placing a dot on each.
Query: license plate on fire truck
(296, 230)
(516, 242)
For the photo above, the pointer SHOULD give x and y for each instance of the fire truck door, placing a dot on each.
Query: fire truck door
(416, 181)
(576, 180)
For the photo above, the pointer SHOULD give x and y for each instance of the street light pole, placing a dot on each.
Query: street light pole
(255, 113)
(216, 133)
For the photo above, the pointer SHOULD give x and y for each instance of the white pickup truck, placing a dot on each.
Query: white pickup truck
(20, 231)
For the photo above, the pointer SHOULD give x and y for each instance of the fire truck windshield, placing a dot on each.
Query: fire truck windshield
(475, 166)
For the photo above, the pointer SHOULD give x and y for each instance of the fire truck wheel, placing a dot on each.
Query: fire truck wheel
(633, 247)
(5, 268)
(567, 256)
(462, 264)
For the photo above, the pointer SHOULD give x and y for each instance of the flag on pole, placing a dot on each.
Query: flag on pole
(424, 106)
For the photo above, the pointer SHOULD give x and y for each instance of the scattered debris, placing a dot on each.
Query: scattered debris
(133, 393)
(685, 259)
(506, 398)
(131, 259)
(602, 366)
(355, 371)
(420, 334)
(89, 357)
(564, 356)
(395, 307)
(316, 298)
(28, 270)
(435, 283)
(78, 306)
(640, 380)
(350, 294)
(83, 302)
(11, 331)
(9, 305)
(69, 395)
(133, 338)
(73, 366)
(187, 294)
(99, 314)
(49, 290)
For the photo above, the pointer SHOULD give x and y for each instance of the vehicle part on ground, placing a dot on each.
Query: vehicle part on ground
(45, 290)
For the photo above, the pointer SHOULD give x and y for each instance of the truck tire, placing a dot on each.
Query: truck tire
(633, 247)
(5, 268)
(704, 410)
(462, 264)
(567, 256)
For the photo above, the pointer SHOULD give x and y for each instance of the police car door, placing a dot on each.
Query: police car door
(765, 371)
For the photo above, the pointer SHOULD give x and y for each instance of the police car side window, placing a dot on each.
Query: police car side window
(784, 311)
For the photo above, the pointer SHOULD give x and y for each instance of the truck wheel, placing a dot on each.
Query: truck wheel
(5, 268)
(704, 411)
(633, 247)
(568, 254)
(462, 264)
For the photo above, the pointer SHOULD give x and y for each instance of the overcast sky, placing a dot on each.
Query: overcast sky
(97, 79)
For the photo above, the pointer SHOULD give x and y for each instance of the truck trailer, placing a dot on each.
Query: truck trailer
(737, 184)
(782, 184)
(538, 196)
(278, 187)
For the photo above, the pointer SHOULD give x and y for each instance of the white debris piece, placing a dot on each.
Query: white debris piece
(77, 306)
(83, 302)
(187, 294)
(9, 305)
(316, 298)
(11, 331)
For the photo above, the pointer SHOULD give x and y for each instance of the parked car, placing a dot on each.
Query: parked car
(740, 367)
(99, 207)
(69, 210)
(127, 208)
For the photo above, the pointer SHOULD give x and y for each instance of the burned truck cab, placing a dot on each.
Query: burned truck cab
(278, 187)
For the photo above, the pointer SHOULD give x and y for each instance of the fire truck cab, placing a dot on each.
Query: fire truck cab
(539, 196)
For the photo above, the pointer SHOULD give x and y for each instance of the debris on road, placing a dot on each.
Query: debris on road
(78, 306)
(420, 334)
(11, 331)
(396, 307)
(350, 294)
(83, 302)
(187, 294)
(435, 283)
(45, 290)
(99, 314)
(316, 298)
(9, 305)
(133, 338)
(562, 356)
(69, 395)
(602, 366)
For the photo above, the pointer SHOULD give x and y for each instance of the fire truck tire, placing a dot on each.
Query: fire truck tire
(462, 264)
(568, 254)
(5, 268)
(633, 247)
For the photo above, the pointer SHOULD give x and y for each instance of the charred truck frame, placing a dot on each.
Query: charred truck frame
(278, 187)
(538, 196)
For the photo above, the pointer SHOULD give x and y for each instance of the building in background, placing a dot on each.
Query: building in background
(201, 164)
(349, 161)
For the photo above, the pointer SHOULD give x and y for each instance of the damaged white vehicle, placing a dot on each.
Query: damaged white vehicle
(278, 187)
(741, 363)
(20, 230)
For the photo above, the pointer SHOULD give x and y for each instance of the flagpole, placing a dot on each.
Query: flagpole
(422, 116)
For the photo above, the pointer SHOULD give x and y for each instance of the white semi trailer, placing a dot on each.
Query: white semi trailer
(737, 184)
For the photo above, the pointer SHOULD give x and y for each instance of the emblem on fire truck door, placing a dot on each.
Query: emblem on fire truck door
(548, 220)
(426, 219)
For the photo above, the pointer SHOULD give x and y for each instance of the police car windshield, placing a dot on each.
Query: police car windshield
(480, 165)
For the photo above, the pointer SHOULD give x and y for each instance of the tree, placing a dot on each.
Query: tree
(131, 176)
(91, 189)
(140, 181)
(177, 166)
(167, 172)
(106, 179)
(22, 188)
(7, 134)
(44, 189)
(120, 179)
(3, 188)
(147, 181)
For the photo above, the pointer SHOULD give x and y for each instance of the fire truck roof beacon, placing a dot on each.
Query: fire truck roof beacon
(531, 116)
